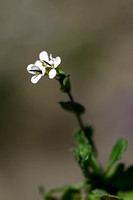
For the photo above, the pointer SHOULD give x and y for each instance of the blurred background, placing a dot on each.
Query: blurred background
(95, 42)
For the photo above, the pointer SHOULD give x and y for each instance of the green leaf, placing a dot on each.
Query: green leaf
(88, 131)
(81, 138)
(86, 156)
(109, 197)
(50, 198)
(45, 195)
(65, 85)
(116, 170)
(93, 197)
(119, 148)
(84, 148)
(70, 194)
(60, 71)
(68, 187)
(126, 195)
(99, 192)
(60, 75)
(72, 107)
(122, 179)
(96, 194)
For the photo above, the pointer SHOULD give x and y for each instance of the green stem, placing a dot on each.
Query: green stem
(80, 122)
(95, 166)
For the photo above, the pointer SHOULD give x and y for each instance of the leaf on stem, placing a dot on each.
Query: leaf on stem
(126, 195)
(118, 149)
(85, 156)
(46, 195)
(64, 81)
(70, 194)
(121, 179)
(65, 85)
(72, 107)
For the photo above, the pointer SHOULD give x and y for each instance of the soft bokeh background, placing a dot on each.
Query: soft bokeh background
(95, 42)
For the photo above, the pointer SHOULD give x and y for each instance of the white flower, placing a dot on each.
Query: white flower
(44, 65)
(37, 69)
(52, 63)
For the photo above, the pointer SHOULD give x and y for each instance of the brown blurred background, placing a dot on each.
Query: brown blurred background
(95, 42)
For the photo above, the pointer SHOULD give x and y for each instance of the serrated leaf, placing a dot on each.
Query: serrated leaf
(72, 107)
(119, 148)
(110, 197)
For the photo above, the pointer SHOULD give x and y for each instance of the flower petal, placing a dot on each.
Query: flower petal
(51, 62)
(43, 70)
(31, 68)
(57, 61)
(44, 56)
(39, 64)
(36, 78)
(51, 58)
(52, 73)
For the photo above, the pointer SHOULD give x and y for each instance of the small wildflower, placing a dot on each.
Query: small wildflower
(52, 63)
(44, 66)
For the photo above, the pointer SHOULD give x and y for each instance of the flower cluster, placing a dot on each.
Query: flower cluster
(45, 66)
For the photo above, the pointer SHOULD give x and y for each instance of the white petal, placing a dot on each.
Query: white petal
(36, 78)
(43, 70)
(57, 61)
(32, 67)
(44, 56)
(52, 73)
(51, 58)
(39, 64)
(51, 62)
